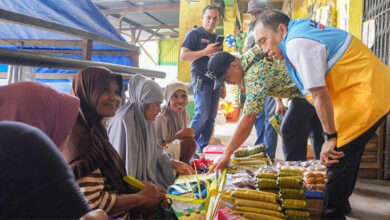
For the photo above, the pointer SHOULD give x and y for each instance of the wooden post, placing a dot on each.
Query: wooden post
(87, 49)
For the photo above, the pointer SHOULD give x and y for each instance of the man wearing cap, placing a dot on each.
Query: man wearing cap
(199, 44)
(265, 132)
(255, 8)
(348, 85)
(258, 76)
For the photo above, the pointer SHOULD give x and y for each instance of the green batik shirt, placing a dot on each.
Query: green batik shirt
(265, 78)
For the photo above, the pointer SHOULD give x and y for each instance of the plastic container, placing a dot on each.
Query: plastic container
(217, 149)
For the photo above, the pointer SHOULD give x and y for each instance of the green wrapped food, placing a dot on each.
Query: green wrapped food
(256, 149)
(251, 215)
(259, 155)
(288, 175)
(294, 204)
(252, 203)
(297, 214)
(241, 153)
(290, 182)
(267, 184)
(274, 191)
(249, 158)
(267, 176)
(259, 211)
(287, 193)
(288, 170)
(249, 162)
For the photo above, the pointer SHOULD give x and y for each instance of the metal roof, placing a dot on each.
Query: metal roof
(141, 20)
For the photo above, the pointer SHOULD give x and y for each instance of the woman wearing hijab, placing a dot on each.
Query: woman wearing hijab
(133, 134)
(173, 120)
(95, 163)
(29, 187)
(41, 106)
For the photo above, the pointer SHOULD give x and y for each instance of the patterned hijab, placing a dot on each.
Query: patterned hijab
(134, 137)
(169, 122)
(41, 106)
(88, 147)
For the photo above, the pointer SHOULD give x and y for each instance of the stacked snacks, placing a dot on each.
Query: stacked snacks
(303, 166)
(292, 195)
(267, 180)
(314, 173)
(253, 204)
(251, 158)
(260, 148)
(315, 180)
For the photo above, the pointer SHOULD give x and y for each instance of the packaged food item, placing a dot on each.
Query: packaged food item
(294, 204)
(310, 180)
(257, 204)
(252, 195)
(309, 174)
(241, 153)
(267, 176)
(297, 214)
(320, 180)
(259, 211)
(287, 193)
(267, 183)
(256, 149)
(290, 182)
(244, 182)
(320, 187)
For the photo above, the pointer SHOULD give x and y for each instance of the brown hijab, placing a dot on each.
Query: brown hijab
(88, 148)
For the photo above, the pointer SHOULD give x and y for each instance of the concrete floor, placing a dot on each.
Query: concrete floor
(370, 199)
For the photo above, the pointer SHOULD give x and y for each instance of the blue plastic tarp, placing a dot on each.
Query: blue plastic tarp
(80, 14)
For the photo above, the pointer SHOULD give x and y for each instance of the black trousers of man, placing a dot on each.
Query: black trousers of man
(342, 176)
(301, 121)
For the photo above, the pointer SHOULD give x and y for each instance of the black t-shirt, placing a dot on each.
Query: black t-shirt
(195, 40)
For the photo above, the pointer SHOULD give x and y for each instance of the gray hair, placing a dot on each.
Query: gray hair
(272, 19)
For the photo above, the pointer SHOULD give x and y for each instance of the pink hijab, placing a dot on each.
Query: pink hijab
(41, 106)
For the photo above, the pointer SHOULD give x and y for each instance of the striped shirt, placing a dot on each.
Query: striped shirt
(99, 194)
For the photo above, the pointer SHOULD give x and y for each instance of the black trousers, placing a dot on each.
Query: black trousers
(342, 176)
(300, 122)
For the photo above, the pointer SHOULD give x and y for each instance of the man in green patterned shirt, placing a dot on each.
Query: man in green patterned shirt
(258, 77)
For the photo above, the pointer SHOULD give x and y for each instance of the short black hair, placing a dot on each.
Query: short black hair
(272, 19)
(209, 7)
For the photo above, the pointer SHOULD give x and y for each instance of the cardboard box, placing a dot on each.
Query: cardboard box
(315, 208)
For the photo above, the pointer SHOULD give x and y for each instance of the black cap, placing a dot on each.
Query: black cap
(256, 5)
(216, 68)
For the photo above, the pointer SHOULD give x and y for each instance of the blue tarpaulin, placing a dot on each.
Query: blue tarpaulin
(80, 14)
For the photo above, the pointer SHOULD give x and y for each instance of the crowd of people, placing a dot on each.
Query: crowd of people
(74, 164)
(59, 159)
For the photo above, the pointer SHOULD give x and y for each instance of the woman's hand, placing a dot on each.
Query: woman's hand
(184, 133)
(152, 195)
(220, 165)
(182, 168)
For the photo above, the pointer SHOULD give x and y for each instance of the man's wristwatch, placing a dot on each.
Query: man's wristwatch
(327, 137)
